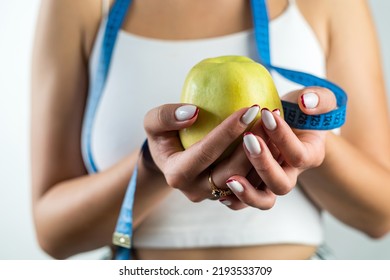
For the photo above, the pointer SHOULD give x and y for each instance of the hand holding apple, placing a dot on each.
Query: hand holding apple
(255, 171)
(187, 170)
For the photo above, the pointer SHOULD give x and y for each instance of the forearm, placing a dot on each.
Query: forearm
(151, 188)
(80, 214)
(352, 186)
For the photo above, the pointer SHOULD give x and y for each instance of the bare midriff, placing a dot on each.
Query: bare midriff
(261, 252)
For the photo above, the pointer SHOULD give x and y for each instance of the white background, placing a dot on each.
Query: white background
(17, 239)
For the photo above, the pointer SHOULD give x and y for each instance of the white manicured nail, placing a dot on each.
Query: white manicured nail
(252, 144)
(226, 202)
(235, 186)
(268, 119)
(310, 100)
(250, 114)
(185, 112)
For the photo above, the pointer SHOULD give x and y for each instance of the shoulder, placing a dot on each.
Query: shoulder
(346, 6)
(348, 14)
(328, 8)
(66, 19)
(71, 12)
(328, 18)
(351, 26)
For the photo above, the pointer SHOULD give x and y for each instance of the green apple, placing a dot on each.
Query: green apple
(222, 85)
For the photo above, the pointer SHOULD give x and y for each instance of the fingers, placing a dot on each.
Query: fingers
(205, 152)
(170, 117)
(247, 195)
(183, 168)
(300, 149)
(237, 163)
(303, 152)
(279, 179)
(161, 125)
(279, 162)
(194, 163)
(313, 100)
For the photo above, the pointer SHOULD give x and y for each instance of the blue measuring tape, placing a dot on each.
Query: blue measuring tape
(114, 22)
(293, 115)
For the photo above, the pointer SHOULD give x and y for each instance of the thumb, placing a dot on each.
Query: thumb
(316, 100)
(169, 117)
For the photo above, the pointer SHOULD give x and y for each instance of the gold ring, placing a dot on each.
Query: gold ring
(215, 191)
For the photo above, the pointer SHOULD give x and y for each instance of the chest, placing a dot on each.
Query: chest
(178, 20)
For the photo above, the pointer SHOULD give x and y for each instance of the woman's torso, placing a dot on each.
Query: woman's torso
(144, 73)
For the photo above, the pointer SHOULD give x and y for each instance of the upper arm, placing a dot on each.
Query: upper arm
(58, 94)
(354, 63)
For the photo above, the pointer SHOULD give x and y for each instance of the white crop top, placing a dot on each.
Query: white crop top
(146, 73)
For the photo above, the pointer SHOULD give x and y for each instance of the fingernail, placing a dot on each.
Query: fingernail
(186, 112)
(252, 144)
(235, 186)
(268, 119)
(309, 100)
(277, 111)
(225, 202)
(250, 114)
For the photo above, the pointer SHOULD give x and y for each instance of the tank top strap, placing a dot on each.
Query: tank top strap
(105, 8)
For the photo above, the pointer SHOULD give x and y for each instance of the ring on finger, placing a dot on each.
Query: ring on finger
(215, 191)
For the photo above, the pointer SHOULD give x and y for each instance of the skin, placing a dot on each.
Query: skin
(75, 212)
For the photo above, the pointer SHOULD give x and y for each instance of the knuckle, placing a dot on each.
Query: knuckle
(267, 205)
(237, 207)
(317, 162)
(284, 188)
(282, 138)
(195, 198)
(233, 132)
(177, 176)
(251, 201)
(206, 155)
(162, 119)
(319, 159)
(174, 180)
(156, 119)
(299, 160)
(147, 121)
(263, 167)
